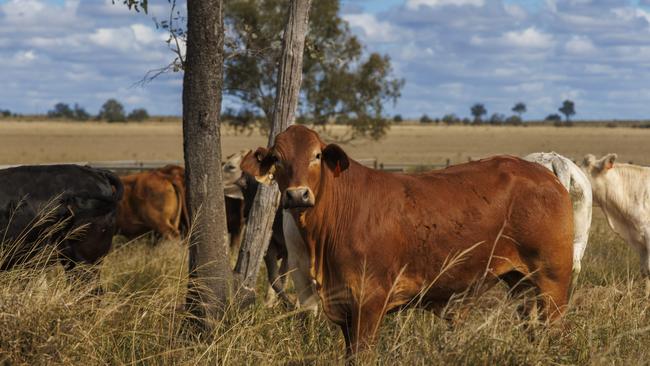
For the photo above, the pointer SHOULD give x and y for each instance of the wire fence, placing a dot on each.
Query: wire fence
(133, 166)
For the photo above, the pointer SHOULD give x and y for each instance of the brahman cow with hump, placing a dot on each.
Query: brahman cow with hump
(576, 182)
(380, 241)
(68, 209)
(623, 193)
(153, 201)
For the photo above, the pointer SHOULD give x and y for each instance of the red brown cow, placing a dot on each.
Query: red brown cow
(380, 241)
(153, 201)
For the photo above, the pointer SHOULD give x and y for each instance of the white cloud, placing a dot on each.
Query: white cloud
(528, 38)
(579, 45)
(146, 35)
(414, 4)
(24, 56)
(599, 69)
(526, 88)
(454, 89)
(515, 11)
(373, 29)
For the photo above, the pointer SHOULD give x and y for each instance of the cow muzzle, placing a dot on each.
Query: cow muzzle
(298, 197)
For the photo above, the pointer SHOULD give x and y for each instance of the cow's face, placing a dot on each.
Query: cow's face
(596, 167)
(298, 161)
(232, 175)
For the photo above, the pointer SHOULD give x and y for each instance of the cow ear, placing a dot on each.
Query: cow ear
(608, 161)
(233, 191)
(589, 161)
(336, 159)
(259, 164)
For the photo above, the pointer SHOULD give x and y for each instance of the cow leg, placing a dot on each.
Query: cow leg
(168, 231)
(282, 277)
(235, 239)
(360, 330)
(271, 262)
(644, 256)
(554, 296)
(298, 263)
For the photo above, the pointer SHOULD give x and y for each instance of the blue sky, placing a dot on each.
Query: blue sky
(452, 53)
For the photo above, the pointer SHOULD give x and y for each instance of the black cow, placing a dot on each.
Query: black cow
(68, 209)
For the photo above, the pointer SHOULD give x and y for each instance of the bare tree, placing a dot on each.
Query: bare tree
(259, 229)
(210, 273)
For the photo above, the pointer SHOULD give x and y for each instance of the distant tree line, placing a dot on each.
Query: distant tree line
(478, 112)
(111, 111)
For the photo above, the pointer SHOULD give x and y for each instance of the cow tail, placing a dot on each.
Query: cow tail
(183, 217)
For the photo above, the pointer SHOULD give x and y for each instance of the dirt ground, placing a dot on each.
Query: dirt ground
(46, 142)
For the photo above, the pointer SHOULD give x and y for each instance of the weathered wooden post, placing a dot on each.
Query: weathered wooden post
(260, 222)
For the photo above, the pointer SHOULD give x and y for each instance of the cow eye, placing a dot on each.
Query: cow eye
(318, 156)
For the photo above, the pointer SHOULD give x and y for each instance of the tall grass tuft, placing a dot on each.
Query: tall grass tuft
(47, 318)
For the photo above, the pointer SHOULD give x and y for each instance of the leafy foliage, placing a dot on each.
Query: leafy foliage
(136, 5)
(398, 118)
(80, 113)
(553, 117)
(519, 108)
(138, 115)
(513, 120)
(425, 119)
(478, 110)
(567, 109)
(63, 110)
(112, 111)
(339, 83)
(450, 119)
(497, 119)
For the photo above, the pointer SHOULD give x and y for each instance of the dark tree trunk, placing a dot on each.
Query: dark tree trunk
(259, 229)
(210, 272)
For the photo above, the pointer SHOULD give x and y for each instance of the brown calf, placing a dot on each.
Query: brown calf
(380, 241)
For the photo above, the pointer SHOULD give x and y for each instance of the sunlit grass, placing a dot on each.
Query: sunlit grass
(46, 318)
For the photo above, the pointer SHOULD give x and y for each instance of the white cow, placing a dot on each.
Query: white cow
(623, 193)
(579, 187)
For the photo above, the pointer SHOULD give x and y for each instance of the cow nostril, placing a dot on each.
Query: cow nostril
(305, 195)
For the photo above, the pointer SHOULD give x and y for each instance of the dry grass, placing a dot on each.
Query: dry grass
(46, 319)
(35, 142)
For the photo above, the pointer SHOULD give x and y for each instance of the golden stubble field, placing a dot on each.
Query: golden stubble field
(46, 142)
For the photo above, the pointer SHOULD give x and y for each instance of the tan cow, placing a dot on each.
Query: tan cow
(153, 201)
(623, 193)
(380, 241)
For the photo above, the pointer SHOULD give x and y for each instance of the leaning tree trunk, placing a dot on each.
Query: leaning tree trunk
(260, 223)
(209, 268)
